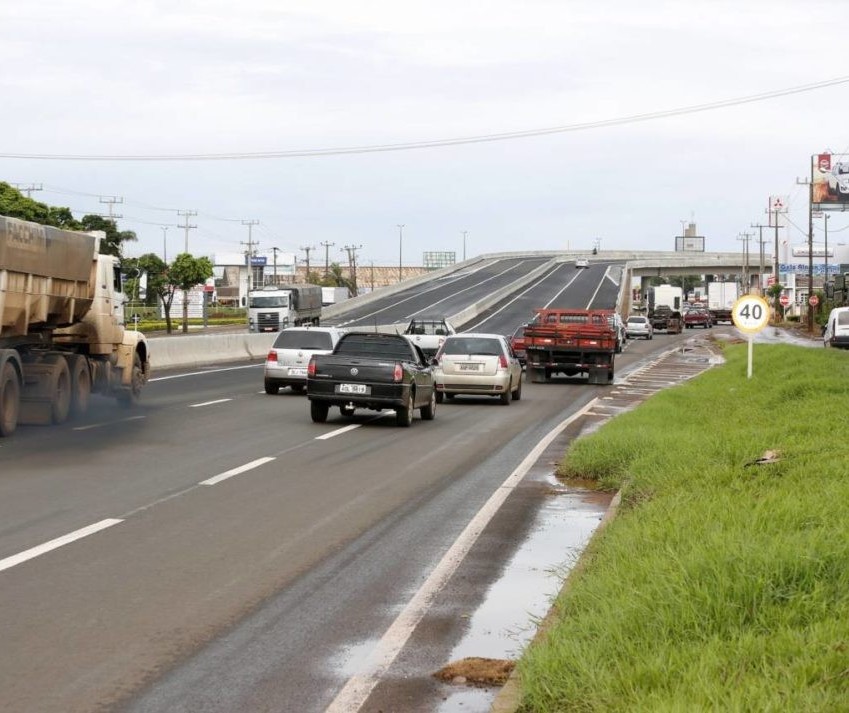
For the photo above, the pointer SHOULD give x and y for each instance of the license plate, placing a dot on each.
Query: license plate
(470, 367)
(297, 371)
(353, 389)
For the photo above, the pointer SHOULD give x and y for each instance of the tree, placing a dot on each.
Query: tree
(160, 289)
(335, 278)
(114, 241)
(15, 204)
(186, 272)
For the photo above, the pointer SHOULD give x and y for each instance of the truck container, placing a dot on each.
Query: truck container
(721, 298)
(62, 334)
(333, 295)
(665, 296)
(571, 342)
(275, 307)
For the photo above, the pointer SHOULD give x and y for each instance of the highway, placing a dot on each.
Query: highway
(215, 550)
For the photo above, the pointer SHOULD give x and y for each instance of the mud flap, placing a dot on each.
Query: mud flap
(598, 375)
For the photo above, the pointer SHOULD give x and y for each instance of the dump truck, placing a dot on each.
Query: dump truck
(570, 342)
(275, 307)
(62, 333)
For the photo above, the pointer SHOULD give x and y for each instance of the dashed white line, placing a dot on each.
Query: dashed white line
(236, 471)
(209, 403)
(29, 554)
(338, 432)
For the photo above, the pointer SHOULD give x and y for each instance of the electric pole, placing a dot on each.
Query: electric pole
(762, 255)
(28, 189)
(809, 182)
(352, 265)
(307, 251)
(111, 200)
(250, 224)
(327, 245)
(275, 251)
(825, 218)
(465, 233)
(746, 237)
(164, 244)
(187, 214)
(400, 245)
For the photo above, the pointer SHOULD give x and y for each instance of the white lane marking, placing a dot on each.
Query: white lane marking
(338, 432)
(358, 688)
(208, 371)
(29, 554)
(108, 423)
(236, 471)
(209, 403)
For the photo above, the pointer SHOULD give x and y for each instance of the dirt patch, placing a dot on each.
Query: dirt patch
(476, 671)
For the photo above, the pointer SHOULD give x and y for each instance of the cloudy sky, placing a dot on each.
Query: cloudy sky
(98, 78)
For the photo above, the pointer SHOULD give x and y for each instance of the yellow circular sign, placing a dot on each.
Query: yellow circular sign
(750, 313)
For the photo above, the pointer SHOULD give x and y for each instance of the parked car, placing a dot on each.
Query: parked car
(836, 332)
(582, 262)
(517, 343)
(638, 326)
(698, 317)
(287, 360)
(838, 179)
(479, 364)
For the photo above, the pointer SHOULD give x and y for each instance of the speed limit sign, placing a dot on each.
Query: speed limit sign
(750, 313)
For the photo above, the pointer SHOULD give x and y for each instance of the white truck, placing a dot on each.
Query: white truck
(275, 307)
(62, 334)
(721, 298)
(333, 295)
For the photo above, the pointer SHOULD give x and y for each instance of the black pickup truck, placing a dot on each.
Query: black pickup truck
(375, 371)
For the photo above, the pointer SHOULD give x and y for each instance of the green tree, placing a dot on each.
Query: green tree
(113, 243)
(15, 204)
(160, 289)
(775, 291)
(186, 272)
(336, 278)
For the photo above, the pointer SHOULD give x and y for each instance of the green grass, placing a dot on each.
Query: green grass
(720, 586)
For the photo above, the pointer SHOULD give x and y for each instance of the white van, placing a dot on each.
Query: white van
(836, 332)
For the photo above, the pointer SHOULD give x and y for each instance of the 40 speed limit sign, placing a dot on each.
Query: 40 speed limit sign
(750, 313)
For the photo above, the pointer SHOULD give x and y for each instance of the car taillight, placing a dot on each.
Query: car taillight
(398, 374)
(311, 368)
(502, 361)
(272, 356)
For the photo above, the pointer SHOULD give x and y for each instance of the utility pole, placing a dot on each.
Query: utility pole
(327, 245)
(307, 251)
(28, 189)
(250, 224)
(465, 233)
(187, 214)
(809, 182)
(112, 200)
(400, 245)
(763, 256)
(352, 265)
(275, 251)
(825, 218)
(746, 237)
(164, 244)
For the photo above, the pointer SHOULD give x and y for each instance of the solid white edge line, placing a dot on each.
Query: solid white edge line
(204, 373)
(358, 688)
(38, 550)
(338, 432)
(209, 403)
(236, 471)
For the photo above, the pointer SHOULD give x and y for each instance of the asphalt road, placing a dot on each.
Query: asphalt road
(247, 558)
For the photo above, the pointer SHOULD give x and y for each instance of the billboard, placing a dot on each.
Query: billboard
(689, 244)
(830, 181)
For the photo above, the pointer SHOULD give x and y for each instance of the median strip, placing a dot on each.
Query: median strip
(236, 471)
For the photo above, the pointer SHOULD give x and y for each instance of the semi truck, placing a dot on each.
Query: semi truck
(275, 307)
(62, 333)
(570, 342)
(721, 298)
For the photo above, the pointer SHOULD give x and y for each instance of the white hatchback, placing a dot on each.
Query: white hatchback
(289, 356)
(638, 326)
(479, 364)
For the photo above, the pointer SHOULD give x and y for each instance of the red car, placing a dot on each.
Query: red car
(698, 317)
(517, 342)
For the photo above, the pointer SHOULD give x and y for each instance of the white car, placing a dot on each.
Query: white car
(287, 360)
(638, 326)
(838, 179)
(478, 364)
(582, 262)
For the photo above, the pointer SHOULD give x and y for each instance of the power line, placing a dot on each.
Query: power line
(437, 143)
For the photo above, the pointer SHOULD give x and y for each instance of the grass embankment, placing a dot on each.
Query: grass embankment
(721, 584)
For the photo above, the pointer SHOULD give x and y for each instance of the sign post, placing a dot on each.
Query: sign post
(750, 314)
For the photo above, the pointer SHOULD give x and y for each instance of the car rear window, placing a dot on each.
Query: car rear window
(481, 346)
(376, 345)
(303, 339)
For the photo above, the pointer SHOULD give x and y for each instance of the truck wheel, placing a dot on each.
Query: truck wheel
(318, 411)
(404, 414)
(80, 384)
(130, 397)
(60, 388)
(271, 388)
(536, 374)
(10, 399)
(429, 412)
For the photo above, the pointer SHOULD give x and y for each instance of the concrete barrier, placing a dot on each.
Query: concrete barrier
(204, 349)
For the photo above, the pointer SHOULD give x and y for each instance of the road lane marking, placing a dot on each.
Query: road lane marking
(358, 688)
(29, 554)
(108, 423)
(338, 432)
(204, 373)
(209, 403)
(236, 471)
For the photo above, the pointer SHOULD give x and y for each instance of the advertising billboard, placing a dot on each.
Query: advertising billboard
(830, 181)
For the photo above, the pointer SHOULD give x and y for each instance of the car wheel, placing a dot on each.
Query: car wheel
(517, 394)
(404, 414)
(318, 411)
(439, 397)
(449, 397)
(271, 388)
(505, 397)
(428, 412)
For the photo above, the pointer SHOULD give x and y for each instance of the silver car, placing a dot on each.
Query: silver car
(638, 326)
(479, 364)
(289, 356)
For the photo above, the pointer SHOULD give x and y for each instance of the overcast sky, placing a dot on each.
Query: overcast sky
(119, 78)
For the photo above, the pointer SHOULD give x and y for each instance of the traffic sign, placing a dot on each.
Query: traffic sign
(750, 313)
(813, 300)
(784, 300)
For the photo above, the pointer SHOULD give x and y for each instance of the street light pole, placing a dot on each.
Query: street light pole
(164, 244)
(400, 244)
(465, 232)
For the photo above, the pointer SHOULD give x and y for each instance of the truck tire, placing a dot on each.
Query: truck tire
(429, 412)
(130, 397)
(80, 384)
(59, 387)
(536, 374)
(404, 414)
(10, 399)
(318, 411)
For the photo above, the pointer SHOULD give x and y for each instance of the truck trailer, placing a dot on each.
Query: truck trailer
(721, 299)
(275, 307)
(62, 334)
